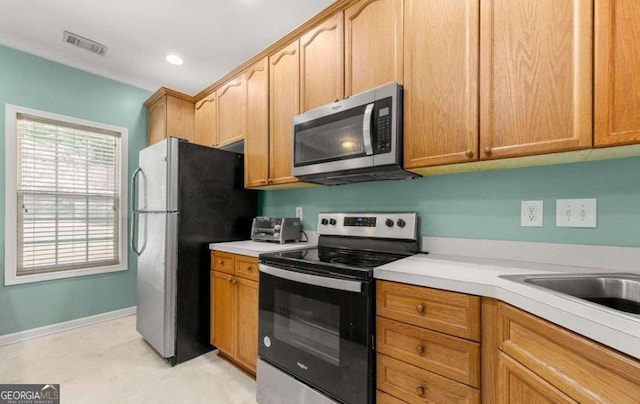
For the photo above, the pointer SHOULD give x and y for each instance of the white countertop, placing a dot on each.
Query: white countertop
(480, 276)
(254, 248)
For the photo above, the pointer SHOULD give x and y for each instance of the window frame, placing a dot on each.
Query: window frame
(11, 214)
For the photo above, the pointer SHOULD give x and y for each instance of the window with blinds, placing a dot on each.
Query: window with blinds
(68, 196)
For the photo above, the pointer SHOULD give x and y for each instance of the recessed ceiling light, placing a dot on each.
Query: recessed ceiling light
(174, 60)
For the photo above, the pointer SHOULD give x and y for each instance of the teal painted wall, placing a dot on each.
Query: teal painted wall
(34, 82)
(486, 205)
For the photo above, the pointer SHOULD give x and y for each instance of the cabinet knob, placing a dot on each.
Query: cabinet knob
(221, 262)
(336, 100)
(469, 153)
(420, 308)
(248, 268)
(420, 349)
(229, 280)
(487, 150)
(263, 182)
(420, 391)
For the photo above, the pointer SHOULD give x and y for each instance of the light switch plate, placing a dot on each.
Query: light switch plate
(299, 212)
(576, 213)
(531, 214)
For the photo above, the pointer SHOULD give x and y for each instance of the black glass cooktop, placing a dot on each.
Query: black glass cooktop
(335, 261)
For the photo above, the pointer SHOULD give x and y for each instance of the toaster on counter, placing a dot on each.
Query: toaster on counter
(278, 229)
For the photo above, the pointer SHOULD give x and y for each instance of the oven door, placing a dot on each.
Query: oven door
(320, 330)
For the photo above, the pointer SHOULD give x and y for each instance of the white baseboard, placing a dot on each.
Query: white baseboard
(25, 335)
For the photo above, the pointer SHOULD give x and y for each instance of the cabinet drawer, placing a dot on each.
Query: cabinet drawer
(247, 267)
(415, 385)
(223, 262)
(448, 356)
(448, 312)
(384, 398)
(584, 370)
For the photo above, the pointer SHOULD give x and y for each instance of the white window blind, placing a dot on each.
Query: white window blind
(68, 196)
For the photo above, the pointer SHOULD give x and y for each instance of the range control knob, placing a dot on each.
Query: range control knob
(324, 222)
(401, 223)
(332, 222)
(276, 227)
(389, 223)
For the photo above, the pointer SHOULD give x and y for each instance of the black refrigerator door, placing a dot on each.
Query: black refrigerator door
(213, 207)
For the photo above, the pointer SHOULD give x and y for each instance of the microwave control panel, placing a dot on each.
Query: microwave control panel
(383, 117)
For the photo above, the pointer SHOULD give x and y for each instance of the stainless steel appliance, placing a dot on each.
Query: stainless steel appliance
(354, 140)
(278, 229)
(183, 197)
(317, 309)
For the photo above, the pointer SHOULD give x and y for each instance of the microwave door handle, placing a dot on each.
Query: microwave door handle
(366, 130)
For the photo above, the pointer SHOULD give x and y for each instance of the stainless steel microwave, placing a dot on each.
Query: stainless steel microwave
(358, 139)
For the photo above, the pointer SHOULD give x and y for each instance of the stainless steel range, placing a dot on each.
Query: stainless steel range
(317, 309)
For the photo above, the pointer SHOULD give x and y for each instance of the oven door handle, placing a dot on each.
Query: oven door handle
(315, 280)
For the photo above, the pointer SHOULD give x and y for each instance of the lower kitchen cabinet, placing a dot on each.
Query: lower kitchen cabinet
(533, 360)
(234, 308)
(517, 384)
(428, 346)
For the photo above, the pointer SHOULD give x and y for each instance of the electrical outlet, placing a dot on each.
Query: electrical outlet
(299, 212)
(531, 213)
(576, 213)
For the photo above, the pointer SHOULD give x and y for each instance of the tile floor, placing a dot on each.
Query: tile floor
(110, 363)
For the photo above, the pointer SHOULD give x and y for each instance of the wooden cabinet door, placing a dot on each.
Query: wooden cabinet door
(211, 306)
(617, 72)
(519, 385)
(206, 115)
(322, 64)
(535, 77)
(180, 119)
(247, 340)
(224, 312)
(157, 121)
(256, 144)
(283, 106)
(373, 44)
(441, 82)
(231, 111)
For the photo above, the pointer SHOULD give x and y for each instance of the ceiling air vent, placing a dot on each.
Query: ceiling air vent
(84, 43)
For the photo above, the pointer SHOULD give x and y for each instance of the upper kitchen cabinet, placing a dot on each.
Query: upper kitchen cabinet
(206, 117)
(284, 75)
(170, 113)
(441, 82)
(231, 111)
(322, 64)
(617, 72)
(535, 77)
(256, 144)
(373, 44)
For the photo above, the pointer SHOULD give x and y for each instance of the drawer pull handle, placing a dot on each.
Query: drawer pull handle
(420, 308)
(420, 391)
(420, 349)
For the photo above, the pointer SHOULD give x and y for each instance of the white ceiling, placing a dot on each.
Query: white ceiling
(211, 36)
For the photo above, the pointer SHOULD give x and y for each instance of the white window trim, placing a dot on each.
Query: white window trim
(10, 249)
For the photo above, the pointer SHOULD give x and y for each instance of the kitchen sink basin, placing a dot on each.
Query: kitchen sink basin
(619, 292)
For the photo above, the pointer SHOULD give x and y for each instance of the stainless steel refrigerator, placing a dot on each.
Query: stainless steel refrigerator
(183, 197)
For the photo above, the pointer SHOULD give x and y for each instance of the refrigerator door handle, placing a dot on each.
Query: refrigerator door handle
(133, 197)
(134, 209)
